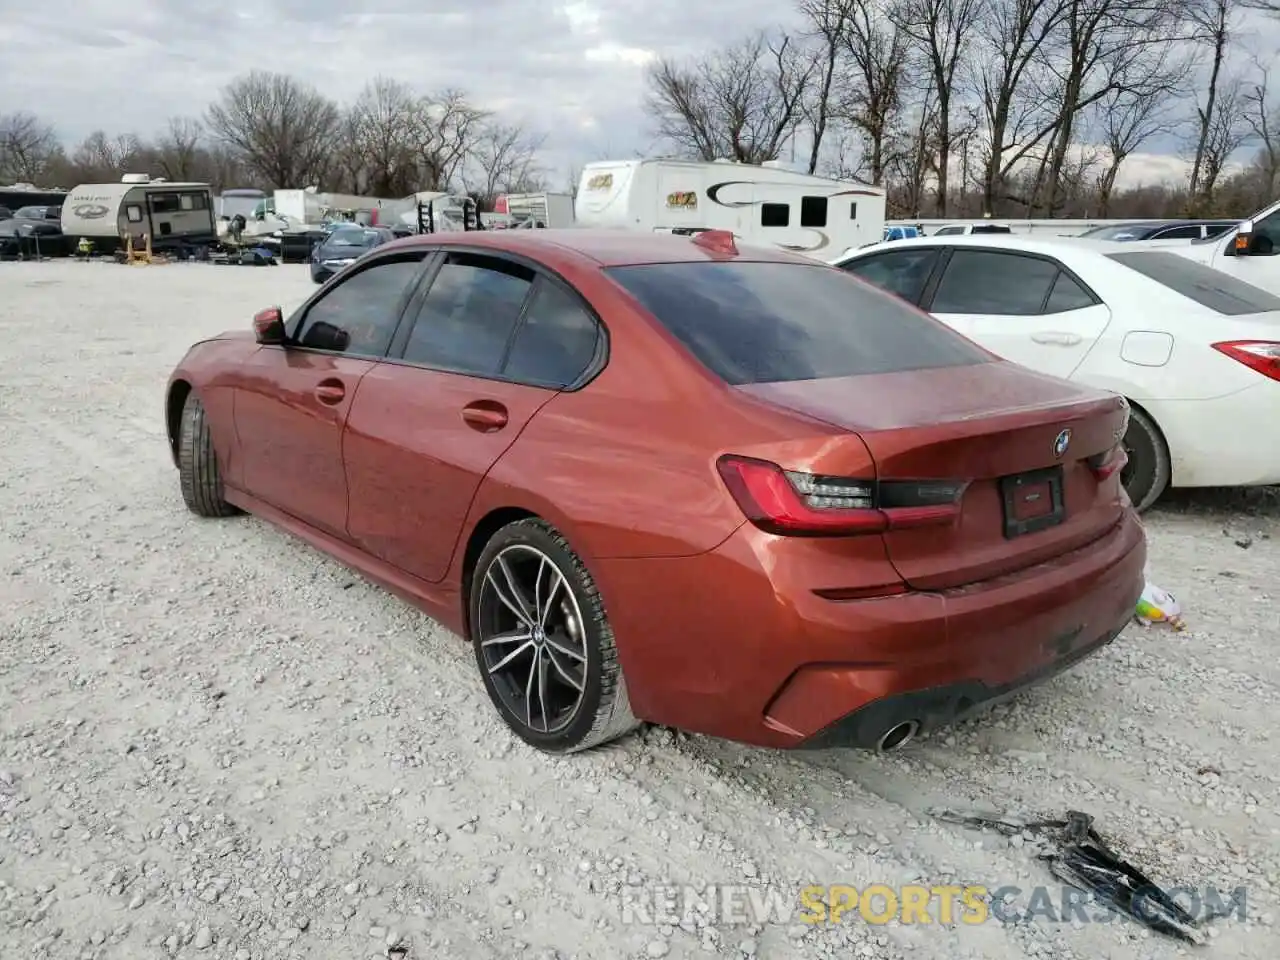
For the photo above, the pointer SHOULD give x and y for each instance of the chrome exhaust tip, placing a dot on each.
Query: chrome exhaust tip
(895, 738)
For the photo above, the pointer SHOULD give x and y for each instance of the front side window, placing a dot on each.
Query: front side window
(358, 315)
(903, 272)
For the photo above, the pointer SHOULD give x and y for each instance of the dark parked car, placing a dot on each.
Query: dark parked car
(343, 246)
(34, 230)
(1161, 230)
(662, 479)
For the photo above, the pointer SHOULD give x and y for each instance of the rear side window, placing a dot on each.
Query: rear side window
(1068, 295)
(1220, 292)
(770, 322)
(556, 341)
(998, 284)
(1179, 233)
(467, 318)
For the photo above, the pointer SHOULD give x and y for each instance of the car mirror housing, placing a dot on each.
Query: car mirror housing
(268, 326)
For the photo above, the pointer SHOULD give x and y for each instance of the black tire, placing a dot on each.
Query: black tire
(198, 464)
(1146, 475)
(602, 711)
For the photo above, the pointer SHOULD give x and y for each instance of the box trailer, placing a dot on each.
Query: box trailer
(767, 205)
(171, 214)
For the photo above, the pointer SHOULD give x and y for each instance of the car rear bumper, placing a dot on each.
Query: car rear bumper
(1221, 442)
(714, 645)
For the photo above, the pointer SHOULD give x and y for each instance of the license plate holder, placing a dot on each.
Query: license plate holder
(1033, 501)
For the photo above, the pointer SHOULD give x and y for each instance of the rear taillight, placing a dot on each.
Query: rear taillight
(1260, 355)
(790, 503)
(1108, 463)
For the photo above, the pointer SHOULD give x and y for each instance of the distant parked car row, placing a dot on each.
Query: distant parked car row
(1161, 230)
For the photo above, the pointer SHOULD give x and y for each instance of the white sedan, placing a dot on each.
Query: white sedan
(1194, 350)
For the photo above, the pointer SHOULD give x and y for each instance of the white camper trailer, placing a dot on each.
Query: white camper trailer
(171, 214)
(767, 205)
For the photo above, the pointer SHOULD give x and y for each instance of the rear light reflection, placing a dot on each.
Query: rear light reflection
(791, 503)
(1108, 463)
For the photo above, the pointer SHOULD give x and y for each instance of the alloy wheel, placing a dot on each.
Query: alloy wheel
(532, 638)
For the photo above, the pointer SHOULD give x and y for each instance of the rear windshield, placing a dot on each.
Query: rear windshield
(770, 322)
(1208, 287)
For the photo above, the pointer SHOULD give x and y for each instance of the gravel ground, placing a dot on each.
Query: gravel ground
(215, 742)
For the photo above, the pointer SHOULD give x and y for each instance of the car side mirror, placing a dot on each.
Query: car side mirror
(1245, 239)
(268, 326)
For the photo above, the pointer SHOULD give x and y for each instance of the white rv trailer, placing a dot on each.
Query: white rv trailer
(171, 214)
(765, 205)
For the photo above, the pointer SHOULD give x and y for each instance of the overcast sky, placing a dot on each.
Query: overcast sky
(574, 70)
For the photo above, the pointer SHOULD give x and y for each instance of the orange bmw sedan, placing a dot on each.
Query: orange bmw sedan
(671, 480)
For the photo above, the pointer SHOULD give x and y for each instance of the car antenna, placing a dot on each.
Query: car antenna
(717, 241)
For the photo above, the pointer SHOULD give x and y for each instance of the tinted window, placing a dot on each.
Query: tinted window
(903, 272)
(775, 214)
(983, 281)
(1179, 233)
(1067, 295)
(466, 320)
(555, 342)
(813, 211)
(948, 231)
(991, 228)
(1218, 229)
(1208, 287)
(359, 315)
(768, 322)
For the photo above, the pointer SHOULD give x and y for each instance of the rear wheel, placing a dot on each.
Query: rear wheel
(543, 644)
(1146, 475)
(198, 464)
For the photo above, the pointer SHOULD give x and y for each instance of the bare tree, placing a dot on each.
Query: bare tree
(1213, 22)
(382, 124)
(503, 159)
(26, 147)
(742, 102)
(104, 158)
(940, 30)
(1103, 41)
(177, 150)
(443, 129)
(1228, 131)
(282, 129)
(1263, 120)
(1016, 32)
(1137, 110)
(873, 92)
(827, 22)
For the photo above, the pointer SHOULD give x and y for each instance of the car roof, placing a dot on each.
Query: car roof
(604, 247)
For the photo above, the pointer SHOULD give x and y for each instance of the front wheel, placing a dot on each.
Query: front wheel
(1146, 476)
(198, 464)
(543, 644)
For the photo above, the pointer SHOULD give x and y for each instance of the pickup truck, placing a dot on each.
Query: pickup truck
(1249, 251)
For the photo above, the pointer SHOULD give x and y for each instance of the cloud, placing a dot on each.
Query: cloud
(573, 69)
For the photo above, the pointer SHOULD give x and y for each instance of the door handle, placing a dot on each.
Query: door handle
(1056, 337)
(330, 392)
(487, 416)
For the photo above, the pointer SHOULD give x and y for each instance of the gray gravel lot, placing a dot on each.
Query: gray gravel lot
(215, 742)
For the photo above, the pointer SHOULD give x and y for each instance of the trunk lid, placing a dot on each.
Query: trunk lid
(978, 424)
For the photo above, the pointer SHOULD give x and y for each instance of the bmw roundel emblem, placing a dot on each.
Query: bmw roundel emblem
(1061, 442)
